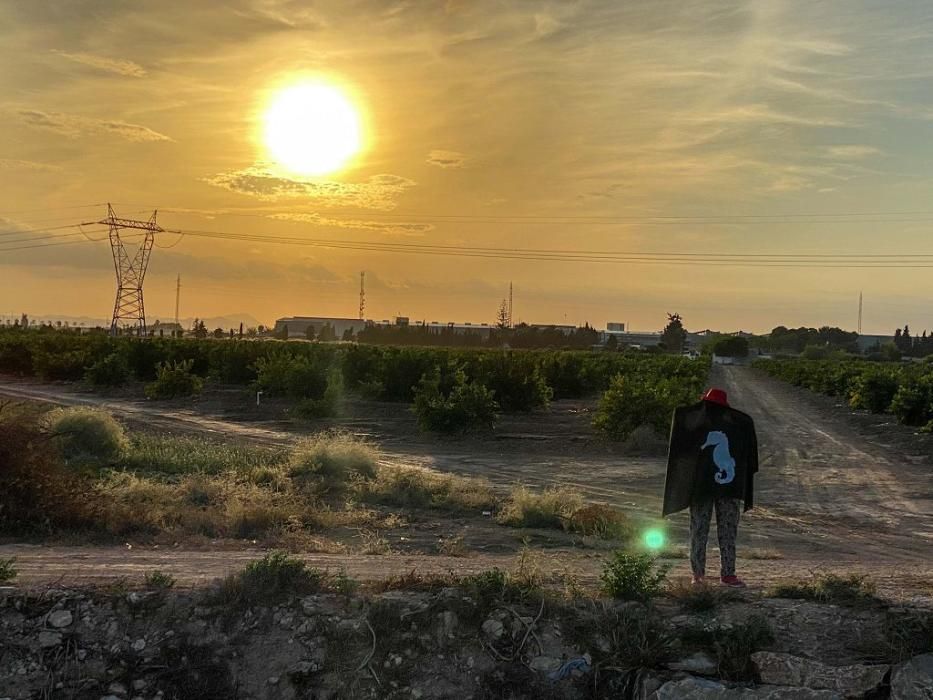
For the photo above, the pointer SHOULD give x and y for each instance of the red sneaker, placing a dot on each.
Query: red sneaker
(698, 580)
(732, 582)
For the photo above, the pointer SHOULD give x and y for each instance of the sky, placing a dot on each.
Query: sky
(648, 126)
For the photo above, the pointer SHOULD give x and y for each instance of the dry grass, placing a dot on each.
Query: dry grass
(552, 508)
(604, 522)
(331, 460)
(852, 590)
(371, 542)
(452, 546)
(698, 597)
(86, 436)
(413, 487)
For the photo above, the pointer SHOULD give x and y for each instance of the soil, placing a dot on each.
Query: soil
(836, 491)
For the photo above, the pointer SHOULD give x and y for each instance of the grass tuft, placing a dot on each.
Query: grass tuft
(8, 570)
(852, 590)
(86, 436)
(552, 508)
(159, 580)
(413, 487)
(698, 598)
(633, 576)
(268, 581)
(332, 460)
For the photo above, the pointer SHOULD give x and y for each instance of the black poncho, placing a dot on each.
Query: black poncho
(713, 454)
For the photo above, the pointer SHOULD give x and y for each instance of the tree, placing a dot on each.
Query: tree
(241, 329)
(674, 336)
(327, 333)
(309, 332)
(218, 333)
(612, 343)
(730, 346)
(503, 319)
(200, 330)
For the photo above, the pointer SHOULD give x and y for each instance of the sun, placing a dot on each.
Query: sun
(312, 129)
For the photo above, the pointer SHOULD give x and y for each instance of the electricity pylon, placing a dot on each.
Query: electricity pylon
(128, 307)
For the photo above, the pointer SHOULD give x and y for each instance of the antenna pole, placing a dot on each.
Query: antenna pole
(362, 295)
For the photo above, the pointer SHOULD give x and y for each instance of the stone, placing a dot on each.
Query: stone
(544, 664)
(49, 639)
(701, 664)
(140, 684)
(447, 624)
(139, 645)
(913, 679)
(117, 689)
(493, 629)
(60, 618)
(784, 669)
(691, 688)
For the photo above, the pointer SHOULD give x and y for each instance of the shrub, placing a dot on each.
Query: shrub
(7, 570)
(325, 407)
(333, 459)
(159, 580)
(413, 487)
(174, 380)
(913, 401)
(37, 494)
(62, 364)
(631, 576)
(112, 370)
(873, 391)
(632, 401)
(87, 435)
(517, 382)
(282, 374)
(697, 598)
(552, 508)
(598, 520)
(466, 407)
(270, 580)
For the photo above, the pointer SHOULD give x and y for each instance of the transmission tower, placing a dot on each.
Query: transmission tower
(362, 294)
(128, 308)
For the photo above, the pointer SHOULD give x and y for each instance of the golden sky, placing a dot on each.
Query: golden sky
(621, 112)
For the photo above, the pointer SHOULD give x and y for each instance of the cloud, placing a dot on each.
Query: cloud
(377, 192)
(14, 164)
(446, 159)
(73, 126)
(398, 227)
(109, 65)
(851, 152)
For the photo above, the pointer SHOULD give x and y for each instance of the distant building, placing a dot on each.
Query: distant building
(615, 327)
(170, 328)
(565, 329)
(298, 325)
(871, 343)
(639, 339)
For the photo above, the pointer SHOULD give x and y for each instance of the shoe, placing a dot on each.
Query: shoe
(733, 582)
(698, 580)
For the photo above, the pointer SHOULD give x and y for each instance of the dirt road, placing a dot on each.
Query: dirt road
(826, 496)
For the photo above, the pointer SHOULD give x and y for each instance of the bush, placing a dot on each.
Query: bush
(7, 570)
(269, 581)
(632, 576)
(60, 365)
(87, 435)
(333, 459)
(632, 401)
(913, 402)
(159, 580)
(174, 380)
(325, 407)
(730, 346)
(873, 391)
(296, 377)
(112, 370)
(597, 520)
(466, 407)
(552, 508)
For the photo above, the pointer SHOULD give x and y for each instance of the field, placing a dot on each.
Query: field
(197, 487)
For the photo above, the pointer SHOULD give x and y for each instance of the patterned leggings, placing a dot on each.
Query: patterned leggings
(727, 527)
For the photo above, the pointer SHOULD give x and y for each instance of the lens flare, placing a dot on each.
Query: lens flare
(654, 539)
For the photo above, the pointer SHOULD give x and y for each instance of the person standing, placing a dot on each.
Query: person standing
(711, 465)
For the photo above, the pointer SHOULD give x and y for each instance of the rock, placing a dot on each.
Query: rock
(49, 639)
(140, 684)
(493, 629)
(139, 645)
(109, 697)
(273, 680)
(60, 618)
(544, 664)
(701, 664)
(117, 689)
(447, 624)
(913, 680)
(704, 689)
(785, 669)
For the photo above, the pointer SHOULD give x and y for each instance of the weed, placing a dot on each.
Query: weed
(8, 570)
(601, 521)
(620, 636)
(331, 460)
(344, 585)
(907, 633)
(159, 580)
(175, 454)
(268, 581)
(374, 543)
(452, 546)
(86, 436)
(551, 508)
(633, 576)
(852, 590)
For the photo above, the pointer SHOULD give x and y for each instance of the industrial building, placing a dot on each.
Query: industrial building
(298, 325)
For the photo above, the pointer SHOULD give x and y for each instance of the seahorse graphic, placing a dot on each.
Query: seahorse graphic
(719, 441)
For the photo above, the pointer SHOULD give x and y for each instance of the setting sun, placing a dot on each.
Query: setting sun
(312, 129)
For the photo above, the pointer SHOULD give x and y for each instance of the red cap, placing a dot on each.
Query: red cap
(716, 396)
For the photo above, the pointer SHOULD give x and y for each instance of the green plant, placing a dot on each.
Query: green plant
(299, 377)
(632, 401)
(325, 407)
(174, 380)
(552, 508)
(8, 570)
(633, 576)
(86, 435)
(159, 580)
(467, 406)
(852, 589)
(873, 391)
(268, 581)
(110, 370)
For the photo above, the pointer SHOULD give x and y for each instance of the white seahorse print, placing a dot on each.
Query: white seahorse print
(719, 441)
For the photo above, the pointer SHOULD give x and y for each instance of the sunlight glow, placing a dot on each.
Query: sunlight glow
(654, 539)
(312, 129)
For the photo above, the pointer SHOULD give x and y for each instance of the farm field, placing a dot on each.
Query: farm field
(830, 494)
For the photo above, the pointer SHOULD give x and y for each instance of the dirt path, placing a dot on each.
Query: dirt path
(826, 495)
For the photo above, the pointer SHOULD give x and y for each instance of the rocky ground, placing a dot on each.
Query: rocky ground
(453, 641)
